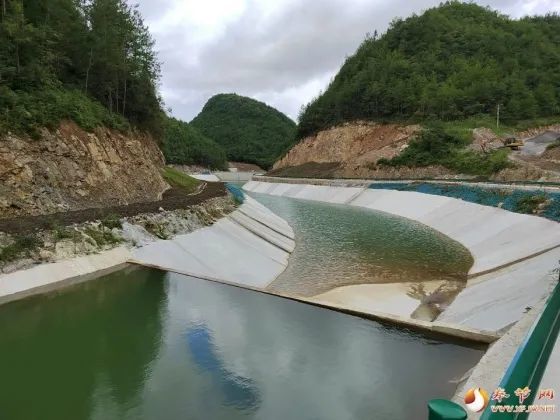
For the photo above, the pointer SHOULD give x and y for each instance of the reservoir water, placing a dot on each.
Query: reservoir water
(339, 245)
(145, 344)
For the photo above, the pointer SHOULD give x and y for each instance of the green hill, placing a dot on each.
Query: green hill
(248, 130)
(453, 62)
(92, 62)
(185, 145)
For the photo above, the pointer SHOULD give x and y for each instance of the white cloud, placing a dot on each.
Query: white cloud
(282, 52)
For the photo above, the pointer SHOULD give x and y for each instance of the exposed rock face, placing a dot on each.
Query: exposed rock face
(358, 143)
(70, 169)
(485, 140)
(352, 151)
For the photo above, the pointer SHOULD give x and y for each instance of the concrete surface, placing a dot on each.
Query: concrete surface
(46, 277)
(390, 298)
(249, 247)
(495, 237)
(551, 377)
(495, 300)
(512, 257)
(488, 373)
(205, 177)
(234, 176)
(536, 146)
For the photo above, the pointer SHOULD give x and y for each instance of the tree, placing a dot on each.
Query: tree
(453, 61)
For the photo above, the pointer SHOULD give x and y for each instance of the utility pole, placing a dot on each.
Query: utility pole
(498, 117)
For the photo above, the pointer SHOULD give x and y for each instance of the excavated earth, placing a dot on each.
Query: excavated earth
(352, 151)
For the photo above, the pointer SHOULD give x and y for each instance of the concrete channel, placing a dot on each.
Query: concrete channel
(509, 282)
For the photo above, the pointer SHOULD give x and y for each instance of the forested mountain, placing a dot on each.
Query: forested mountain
(185, 145)
(452, 62)
(91, 61)
(248, 130)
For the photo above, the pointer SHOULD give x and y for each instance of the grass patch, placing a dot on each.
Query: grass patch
(530, 204)
(59, 231)
(179, 179)
(463, 128)
(102, 237)
(112, 221)
(22, 246)
(156, 229)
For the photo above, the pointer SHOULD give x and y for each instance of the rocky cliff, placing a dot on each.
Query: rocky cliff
(358, 143)
(351, 150)
(69, 169)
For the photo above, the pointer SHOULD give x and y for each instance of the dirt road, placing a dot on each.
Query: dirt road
(173, 199)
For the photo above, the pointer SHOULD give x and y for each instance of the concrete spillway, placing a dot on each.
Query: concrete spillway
(513, 254)
(495, 237)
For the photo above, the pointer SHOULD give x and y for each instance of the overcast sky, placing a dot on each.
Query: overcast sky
(282, 52)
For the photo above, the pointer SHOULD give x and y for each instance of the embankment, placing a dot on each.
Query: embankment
(517, 252)
(251, 246)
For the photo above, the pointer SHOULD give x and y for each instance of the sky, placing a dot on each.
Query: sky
(282, 52)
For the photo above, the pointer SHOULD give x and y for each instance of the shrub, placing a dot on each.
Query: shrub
(434, 146)
(530, 204)
(22, 246)
(27, 112)
(185, 145)
(112, 221)
(101, 236)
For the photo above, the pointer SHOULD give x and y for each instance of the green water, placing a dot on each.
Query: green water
(340, 245)
(144, 344)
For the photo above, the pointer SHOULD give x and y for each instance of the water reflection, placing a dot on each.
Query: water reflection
(238, 391)
(60, 353)
(146, 345)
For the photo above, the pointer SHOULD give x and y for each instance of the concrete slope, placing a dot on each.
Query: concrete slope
(495, 237)
(205, 177)
(249, 247)
(46, 277)
(495, 300)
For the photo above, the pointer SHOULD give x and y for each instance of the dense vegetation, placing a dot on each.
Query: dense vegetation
(248, 130)
(185, 145)
(434, 146)
(452, 62)
(91, 61)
